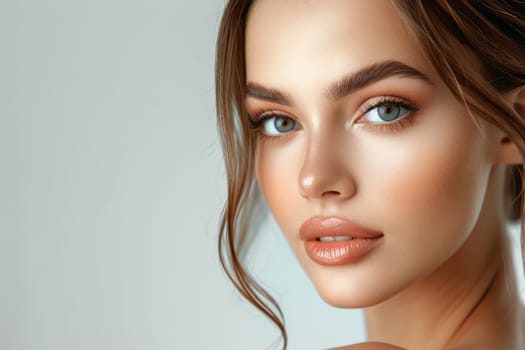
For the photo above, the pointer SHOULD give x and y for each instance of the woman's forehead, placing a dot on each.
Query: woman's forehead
(290, 42)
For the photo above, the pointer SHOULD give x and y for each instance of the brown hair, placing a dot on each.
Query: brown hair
(454, 34)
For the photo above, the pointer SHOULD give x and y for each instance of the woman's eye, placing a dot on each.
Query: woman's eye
(278, 125)
(387, 112)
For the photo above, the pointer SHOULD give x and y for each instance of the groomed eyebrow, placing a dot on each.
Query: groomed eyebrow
(372, 74)
(267, 94)
(345, 86)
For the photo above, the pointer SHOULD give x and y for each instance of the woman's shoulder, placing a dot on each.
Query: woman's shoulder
(369, 346)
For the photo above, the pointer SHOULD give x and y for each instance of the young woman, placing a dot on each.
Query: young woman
(387, 139)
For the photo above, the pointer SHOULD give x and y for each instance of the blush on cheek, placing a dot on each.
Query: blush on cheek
(434, 194)
(277, 170)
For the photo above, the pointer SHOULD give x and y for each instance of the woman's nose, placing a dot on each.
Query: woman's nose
(326, 171)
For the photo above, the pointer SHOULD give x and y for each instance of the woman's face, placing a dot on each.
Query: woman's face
(354, 124)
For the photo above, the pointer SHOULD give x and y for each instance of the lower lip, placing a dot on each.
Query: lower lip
(340, 252)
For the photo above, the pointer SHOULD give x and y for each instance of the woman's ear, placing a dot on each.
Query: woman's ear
(508, 152)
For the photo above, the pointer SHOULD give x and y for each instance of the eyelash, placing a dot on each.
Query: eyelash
(394, 126)
(256, 124)
(258, 119)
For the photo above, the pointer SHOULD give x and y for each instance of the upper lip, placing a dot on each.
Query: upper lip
(317, 227)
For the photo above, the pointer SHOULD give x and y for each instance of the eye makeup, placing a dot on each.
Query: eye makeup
(385, 104)
(405, 117)
(262, 126)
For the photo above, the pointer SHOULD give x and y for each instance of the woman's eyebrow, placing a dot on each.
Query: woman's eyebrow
(348, 84)
(371, 74)
(267, 94)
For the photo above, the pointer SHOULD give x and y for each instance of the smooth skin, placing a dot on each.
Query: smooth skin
(430, 178)
(369, 346)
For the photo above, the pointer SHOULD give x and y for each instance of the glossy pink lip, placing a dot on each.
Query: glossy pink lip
(337, 252)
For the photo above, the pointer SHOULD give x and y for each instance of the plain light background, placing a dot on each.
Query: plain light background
(111, 186)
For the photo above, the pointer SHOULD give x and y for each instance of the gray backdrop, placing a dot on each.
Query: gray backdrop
(112, 184)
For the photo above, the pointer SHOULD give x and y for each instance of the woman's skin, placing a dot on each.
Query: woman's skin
(431, 180)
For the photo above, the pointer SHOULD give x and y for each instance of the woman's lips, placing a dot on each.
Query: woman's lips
(335, 241)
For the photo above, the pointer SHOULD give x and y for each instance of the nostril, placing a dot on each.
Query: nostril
(331, 193)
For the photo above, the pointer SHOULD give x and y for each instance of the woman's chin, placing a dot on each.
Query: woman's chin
(352, 298)
(357, 292)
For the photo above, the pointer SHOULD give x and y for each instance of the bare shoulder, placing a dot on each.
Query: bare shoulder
(369, 346)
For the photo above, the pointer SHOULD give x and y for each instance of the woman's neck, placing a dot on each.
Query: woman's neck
(470, 300)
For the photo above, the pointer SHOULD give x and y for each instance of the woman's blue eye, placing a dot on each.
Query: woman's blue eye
(278, 125)
(387, 112)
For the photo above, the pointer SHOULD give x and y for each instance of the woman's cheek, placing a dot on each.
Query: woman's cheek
(277, 170)
(432, 195)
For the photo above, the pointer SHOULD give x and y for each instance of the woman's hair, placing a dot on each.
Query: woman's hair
(478, 48)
